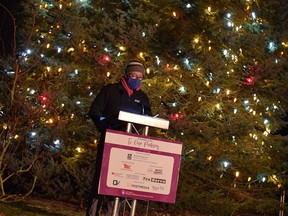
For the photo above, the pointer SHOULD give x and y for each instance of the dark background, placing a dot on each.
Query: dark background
(6, 26)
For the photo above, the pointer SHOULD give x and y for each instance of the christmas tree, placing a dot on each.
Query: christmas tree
(216, 69)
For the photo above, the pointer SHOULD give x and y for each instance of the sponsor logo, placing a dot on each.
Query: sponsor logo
(129, 156)
(116, 182)
(127, 166)
(117, 174)
(143, 187)
(146, 179)
(158, 189)
(158, 171)
(157, 180)
(129, 184)
(149, 170)
(131, 176)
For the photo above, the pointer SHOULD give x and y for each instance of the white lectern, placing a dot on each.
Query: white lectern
(147, 121)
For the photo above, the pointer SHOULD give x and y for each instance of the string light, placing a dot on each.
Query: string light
(79, 150)
(209, 158)
(253, 14)
(50, 121)
(237, 173)
(141, 54)
(33, 134)
(122, 48)
(148, 71)
(225, 164)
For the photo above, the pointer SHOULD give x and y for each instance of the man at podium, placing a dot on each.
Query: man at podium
(126, 95)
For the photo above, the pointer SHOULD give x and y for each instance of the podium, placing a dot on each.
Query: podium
(138, 166)
(147, 121)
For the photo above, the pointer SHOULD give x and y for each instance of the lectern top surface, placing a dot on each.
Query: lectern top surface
(143, 120)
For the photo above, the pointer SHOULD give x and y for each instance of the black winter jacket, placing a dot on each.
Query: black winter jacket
(113, 98)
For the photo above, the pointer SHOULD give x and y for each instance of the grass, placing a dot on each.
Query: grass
(40, 207)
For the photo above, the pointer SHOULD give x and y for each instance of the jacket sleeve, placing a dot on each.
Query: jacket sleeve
(97, 108)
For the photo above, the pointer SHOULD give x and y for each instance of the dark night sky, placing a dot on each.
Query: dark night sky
(6, 26)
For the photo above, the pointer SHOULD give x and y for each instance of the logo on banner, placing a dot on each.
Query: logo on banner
(127, 166)
(157, 180)
(117, 174)
(116, 182)
(143, 187)
(131, 176)
(158, 171)
(146, 179)
(129, 184)
(129, 156)
(155, 171)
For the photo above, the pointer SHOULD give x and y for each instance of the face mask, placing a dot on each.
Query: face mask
(134, 83)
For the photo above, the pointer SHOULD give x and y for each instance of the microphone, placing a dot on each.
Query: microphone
(143, 107)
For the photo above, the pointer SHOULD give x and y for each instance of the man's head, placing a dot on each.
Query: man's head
(134, 73)
(135, 67)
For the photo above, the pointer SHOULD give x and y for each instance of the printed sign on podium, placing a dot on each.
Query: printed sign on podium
(140, 167)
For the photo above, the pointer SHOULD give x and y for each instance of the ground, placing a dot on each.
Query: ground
(40, 207)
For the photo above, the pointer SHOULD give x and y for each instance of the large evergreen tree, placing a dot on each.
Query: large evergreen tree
(216, 69)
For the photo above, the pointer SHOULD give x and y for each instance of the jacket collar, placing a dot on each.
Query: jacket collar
(126, 87)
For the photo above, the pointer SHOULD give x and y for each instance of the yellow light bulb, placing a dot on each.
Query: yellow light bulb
(70, 49)
(122, 48)
(148, 70)
(50, 121)
(78, 149)
(237, 173)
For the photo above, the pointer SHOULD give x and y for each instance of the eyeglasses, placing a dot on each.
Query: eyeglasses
(134, 76)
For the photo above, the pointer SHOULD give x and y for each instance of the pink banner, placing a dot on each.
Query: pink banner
(140, 167)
